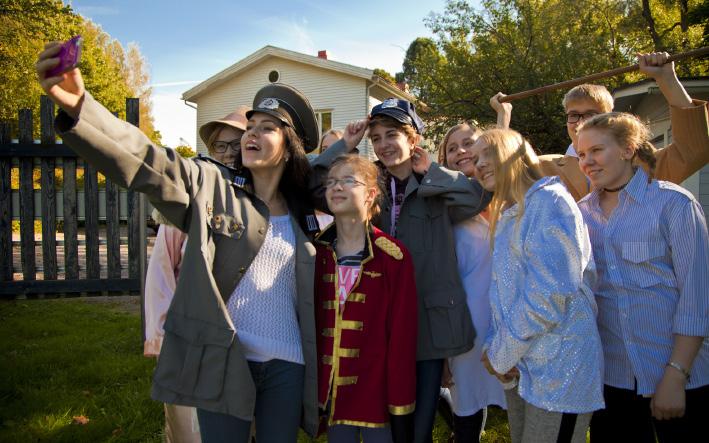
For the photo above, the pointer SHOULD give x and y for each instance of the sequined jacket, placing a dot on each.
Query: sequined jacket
(543, 310)
(367, 346)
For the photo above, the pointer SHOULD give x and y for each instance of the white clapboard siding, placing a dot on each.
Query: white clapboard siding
(344, 95)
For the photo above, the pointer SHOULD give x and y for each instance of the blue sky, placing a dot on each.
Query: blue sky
(185, 42)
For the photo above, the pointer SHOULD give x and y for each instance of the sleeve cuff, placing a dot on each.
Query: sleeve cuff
(691, 326)
(402, 410)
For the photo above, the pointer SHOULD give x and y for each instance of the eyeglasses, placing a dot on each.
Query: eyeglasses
(347, 182)
(574, 117)
(220, 147)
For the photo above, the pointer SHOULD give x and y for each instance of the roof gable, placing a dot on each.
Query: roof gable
(272, 51)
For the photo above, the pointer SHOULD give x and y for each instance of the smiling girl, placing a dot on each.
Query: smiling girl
(366, 312)
(651, 245)
(543, 327)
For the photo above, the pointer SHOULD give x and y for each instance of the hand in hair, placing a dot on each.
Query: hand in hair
(503, 110)
(354, 132)
(66, 90)
(420, 160)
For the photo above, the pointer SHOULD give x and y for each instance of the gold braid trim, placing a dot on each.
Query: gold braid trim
(389, 247)
(402, 410)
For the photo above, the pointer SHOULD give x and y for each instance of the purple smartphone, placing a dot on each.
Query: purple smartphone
(69, 56)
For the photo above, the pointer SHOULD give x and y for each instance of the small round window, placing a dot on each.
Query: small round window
(273, 76)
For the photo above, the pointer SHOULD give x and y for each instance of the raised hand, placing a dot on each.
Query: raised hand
(420, 160)
(66, 90)
(503, 110)
(354, 132)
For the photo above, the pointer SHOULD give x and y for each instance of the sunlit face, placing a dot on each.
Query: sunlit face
(605, 162)
(227, 134)
(328, 140)
(583, 109)
(263, 145)
(458, 150)
(347, 193)
(391, 146)
(483, 164)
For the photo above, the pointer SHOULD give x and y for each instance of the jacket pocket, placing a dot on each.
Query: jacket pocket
(645, 264)
(449, 320)
(193, 358)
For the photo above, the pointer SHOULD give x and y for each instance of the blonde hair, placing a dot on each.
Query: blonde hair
(627, 130)
(596, 93)
(516, 168)
(369, 173)
(336, 132)
(388, 122)
(442, 154)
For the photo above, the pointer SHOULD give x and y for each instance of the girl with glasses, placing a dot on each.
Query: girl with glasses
(365, 301)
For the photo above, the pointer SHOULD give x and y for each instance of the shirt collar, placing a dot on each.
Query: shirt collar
(571, 151)
(635, 188)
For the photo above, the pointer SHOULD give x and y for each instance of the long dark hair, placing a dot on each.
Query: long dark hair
(294, 184)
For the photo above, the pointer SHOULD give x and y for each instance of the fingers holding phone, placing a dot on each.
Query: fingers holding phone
(59, 77)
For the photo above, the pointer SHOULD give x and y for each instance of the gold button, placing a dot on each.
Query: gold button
(261, 230)
(242, 270)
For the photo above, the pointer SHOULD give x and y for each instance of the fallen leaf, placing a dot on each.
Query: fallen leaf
(116, 432)
(80, 420)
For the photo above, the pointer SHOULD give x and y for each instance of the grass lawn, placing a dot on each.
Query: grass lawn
(67, 358)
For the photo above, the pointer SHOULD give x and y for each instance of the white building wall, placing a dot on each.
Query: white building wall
(343, 95)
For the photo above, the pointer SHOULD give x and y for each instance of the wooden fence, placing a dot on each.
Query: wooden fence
(82, 273)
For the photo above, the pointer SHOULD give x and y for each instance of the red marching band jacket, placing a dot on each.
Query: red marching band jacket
(366, 346)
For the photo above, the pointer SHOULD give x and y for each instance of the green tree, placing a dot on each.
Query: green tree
(110, 72)
(185, 151)
(385, 75)
(515, 45)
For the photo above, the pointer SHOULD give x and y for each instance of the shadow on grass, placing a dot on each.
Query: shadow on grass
(60, 359)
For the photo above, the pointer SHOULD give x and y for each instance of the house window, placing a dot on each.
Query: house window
(274, 76)
(324, 120)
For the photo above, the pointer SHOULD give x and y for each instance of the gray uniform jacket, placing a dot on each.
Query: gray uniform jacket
(201, 363)
(433, 203)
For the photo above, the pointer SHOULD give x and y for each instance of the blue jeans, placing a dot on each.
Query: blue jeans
(428, 388)
(279, 398)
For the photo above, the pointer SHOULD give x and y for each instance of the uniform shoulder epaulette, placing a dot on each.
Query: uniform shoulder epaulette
(389, 247)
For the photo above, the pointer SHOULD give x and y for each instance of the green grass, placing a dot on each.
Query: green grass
(65, 358)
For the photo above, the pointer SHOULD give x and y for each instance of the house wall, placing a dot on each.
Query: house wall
(653, 109)
(343, 95)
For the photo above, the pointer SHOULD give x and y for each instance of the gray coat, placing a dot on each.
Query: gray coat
(202, 362)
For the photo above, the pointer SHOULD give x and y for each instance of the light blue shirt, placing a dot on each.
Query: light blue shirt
(543, 310)
(652, 255)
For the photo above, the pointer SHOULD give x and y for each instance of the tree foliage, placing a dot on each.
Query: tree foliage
(515, 45)
(110, 72)
(185, 151)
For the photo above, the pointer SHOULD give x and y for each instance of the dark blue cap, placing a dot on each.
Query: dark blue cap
(400, 110)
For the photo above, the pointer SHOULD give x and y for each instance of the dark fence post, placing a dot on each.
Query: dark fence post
(49, 196)
(137, 244)
(5, 208)
(71, 243)
(27, 199)
(93, 264)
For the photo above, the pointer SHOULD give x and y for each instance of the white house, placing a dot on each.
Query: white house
(644, 99)
(339, 93)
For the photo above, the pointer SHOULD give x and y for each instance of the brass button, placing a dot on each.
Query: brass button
(242, 270)
(261, 230)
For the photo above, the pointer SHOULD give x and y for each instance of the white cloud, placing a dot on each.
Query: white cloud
(174, 119)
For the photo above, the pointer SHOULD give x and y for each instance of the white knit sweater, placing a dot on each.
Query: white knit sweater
(263, 305)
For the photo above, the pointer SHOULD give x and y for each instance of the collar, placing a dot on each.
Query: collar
(328, 236)
(539, 184)
(571, 151)
(635, 189)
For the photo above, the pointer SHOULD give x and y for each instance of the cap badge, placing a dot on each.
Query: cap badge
(390, 103)
(269, 103)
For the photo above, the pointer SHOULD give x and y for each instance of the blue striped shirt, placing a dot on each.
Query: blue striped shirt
(652, 256)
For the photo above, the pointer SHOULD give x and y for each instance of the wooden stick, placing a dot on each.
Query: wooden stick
(593, 77)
